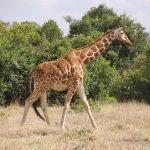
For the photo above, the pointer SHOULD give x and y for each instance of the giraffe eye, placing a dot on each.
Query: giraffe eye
(122, 33)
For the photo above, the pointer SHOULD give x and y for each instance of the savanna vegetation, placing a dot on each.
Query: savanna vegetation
(121, 126)
(121, 74)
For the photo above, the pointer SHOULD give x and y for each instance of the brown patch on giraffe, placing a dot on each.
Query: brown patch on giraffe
(52, 79)
(42, 79)
(56, 78)
(54, 70)
(97, 54)
(108, 36)
(39, 70)
(82, 56)
(87, 60)
(99, 45)
(42, 87)
(48, 80)
(70, 59)
(77, 76)
(91, 58)
(57, 73)
(66, 65)
(102, 49)
(60, 66)
(60, 78)
(112, 35)
(94, 49)
(106, 44)
(64, 76)
(90, 53)
(64, 81)
(109, 39)
(77, 52)
(46, 86)
(73, 70)
(104, 41)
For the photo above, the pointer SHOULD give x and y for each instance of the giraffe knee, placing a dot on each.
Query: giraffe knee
(28, 103)
(86, 105)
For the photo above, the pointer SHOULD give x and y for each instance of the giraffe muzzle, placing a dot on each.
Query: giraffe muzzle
(128, 42)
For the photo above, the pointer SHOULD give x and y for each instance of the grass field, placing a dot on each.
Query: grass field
(124, 126)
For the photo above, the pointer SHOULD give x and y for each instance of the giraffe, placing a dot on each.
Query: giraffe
(66, 73)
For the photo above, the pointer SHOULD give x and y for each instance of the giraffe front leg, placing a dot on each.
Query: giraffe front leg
(28, 103)
(27, 106)
(82, 95)
(66, 106)
(70, 93)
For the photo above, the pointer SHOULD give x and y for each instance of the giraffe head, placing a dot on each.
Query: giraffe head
(121, 36)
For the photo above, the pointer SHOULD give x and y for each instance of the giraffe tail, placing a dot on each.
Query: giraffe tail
(34, 104)
(37, 112)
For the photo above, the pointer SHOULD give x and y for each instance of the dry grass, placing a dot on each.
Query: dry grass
(120, 127)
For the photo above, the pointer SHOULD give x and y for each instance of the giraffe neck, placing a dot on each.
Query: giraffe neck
(90, 52)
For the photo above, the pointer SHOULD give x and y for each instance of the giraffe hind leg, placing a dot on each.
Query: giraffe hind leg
(28, 103)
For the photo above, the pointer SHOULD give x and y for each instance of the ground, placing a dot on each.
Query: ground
(121, 126)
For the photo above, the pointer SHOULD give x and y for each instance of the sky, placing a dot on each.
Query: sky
(41, 11)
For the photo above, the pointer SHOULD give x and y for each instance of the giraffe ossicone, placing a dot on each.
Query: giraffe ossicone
(66, 73)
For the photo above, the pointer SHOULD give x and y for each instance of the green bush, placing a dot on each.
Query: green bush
(78, 106)
(99, 79)
(135, 83)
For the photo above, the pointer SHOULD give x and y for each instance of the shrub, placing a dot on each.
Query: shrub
(99, 79)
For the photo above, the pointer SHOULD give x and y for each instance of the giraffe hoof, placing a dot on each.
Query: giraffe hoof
(95, 126)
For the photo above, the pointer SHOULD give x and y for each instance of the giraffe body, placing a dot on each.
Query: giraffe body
(58, 74)
(66, 73)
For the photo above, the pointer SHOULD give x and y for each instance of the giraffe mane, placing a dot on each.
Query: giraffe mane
(109, 31)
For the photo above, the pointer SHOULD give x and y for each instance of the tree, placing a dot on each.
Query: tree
(135, 83)
(26, 33)
(99, 79)
(120, 56)
(51, 31)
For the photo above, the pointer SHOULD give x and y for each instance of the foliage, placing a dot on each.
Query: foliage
(19, 54)
(99, 79)
(78, 106)
(99, 19)
(135, 83)
(51, 31)
(122, 73)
